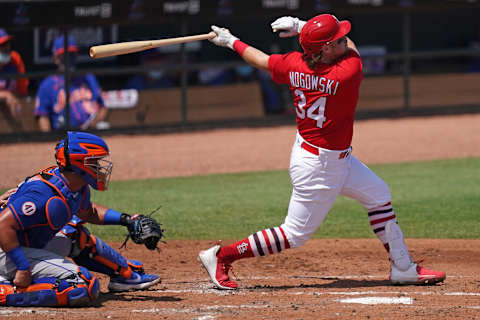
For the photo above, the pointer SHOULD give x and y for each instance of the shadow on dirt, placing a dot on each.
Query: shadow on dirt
(134, 296)
(337, 283)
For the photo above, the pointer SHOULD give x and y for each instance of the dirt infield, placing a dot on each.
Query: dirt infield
(325, 279)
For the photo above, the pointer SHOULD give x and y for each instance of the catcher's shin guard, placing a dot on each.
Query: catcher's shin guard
(136, 266)
(96, 255)
(52, 292)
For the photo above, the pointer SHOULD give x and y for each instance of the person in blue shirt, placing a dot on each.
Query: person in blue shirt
(11, 89)
(42, 223)
(86, 103)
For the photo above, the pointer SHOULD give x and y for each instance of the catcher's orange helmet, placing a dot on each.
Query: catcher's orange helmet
(86, 155)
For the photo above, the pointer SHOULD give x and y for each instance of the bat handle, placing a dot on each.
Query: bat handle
(211, 35)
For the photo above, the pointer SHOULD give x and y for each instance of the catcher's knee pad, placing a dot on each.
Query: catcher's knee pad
(52, 292)
(92, 284)
(96, 255)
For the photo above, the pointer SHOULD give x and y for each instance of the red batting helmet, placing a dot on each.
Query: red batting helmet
(321, 30)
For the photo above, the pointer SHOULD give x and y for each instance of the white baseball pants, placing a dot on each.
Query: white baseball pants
(318, 180)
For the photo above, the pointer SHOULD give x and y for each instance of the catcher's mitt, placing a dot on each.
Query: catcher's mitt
(144, 230)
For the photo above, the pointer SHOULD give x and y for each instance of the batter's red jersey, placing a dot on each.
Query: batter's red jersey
(325, 98)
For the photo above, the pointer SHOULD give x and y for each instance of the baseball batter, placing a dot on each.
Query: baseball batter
(42, 222)
(324, 81)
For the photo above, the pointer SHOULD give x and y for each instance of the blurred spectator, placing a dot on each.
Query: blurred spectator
(271, 92)
(87, 109)
(245, 73)
(11, 63)
(215, 76)
(373, 61)
(155, 77)
(272, 99)
(474, 65)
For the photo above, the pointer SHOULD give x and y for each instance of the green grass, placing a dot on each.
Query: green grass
(435, 199)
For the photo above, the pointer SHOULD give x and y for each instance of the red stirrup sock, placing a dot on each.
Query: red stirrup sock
(379, 217)
(261, 243)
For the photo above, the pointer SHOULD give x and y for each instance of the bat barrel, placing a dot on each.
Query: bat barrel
(115, 49)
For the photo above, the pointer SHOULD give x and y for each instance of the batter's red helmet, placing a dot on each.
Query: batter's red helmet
(321, 30)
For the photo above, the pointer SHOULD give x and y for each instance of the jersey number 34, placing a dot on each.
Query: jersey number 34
(315, 112)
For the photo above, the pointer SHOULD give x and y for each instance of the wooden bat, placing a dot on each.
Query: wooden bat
(115, 49)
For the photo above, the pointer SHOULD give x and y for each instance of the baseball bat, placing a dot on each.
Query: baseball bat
(115, 49)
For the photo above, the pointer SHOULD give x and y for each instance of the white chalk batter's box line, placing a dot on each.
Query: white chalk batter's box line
(200, 310)
(219, 308)
(210, 289)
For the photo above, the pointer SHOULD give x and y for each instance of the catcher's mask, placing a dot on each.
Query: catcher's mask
(86, 155)
(320, 31)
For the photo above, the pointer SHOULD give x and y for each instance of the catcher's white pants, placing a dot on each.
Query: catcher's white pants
(318, 180)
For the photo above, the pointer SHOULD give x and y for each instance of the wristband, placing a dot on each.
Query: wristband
(112, 217)
(18, 257)
(125, 219)
(240, 47)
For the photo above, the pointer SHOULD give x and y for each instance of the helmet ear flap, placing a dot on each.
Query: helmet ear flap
(66, 153)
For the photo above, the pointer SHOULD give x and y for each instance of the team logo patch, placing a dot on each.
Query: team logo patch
(242, 247)
(29, 208)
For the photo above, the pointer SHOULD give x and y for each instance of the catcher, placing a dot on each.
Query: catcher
(42, 223)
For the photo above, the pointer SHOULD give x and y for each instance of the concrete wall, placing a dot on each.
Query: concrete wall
(243, 101)
(160, 107)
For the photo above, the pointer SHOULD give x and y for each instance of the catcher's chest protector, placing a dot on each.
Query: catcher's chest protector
(43, 204)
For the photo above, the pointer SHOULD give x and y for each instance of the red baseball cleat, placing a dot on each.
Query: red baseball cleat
(427, 276)
(415, 274)
(217, 270)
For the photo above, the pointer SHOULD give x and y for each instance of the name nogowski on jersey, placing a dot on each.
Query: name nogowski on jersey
(325, 98)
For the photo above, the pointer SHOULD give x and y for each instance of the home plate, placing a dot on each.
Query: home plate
(378, 300)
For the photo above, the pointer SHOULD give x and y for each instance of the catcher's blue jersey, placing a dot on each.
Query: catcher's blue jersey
(85, 100)
(43, 205)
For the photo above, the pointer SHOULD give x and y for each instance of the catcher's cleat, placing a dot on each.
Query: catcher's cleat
(138, 281)
(415, 274)
(217, 269)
